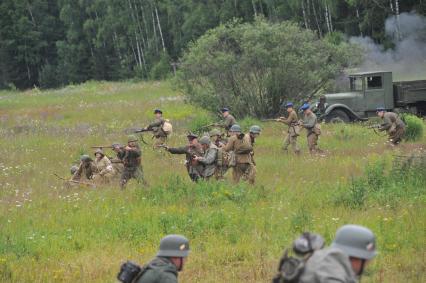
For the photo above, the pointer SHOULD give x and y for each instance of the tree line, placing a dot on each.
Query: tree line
(49, 43)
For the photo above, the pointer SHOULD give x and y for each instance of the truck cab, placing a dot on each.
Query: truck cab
(368, 90)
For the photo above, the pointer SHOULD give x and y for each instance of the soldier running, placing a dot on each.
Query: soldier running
(241, 145)
(293, 128)
(192, 150)
(392, 124)
(312, 127)
(132, 163)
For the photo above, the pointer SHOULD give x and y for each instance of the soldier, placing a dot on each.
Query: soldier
(312, 127)
(117, 161)
(345, 260)
(104, 169)
(73, 169)
(228, 121)
(170, 259)
(241, 145)
(217, 138)
(320, 107)
(209, 160)
(132, 163)
(293, 128)
(157, 128)
(392, 124)
(86, 169)
(192, 150)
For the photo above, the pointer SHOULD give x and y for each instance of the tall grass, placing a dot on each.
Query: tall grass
(53, 233)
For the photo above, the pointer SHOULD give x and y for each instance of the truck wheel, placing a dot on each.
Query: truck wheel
(338, 116)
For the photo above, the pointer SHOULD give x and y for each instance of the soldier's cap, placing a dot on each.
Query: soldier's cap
(305, 106)
(116, 144)
(289, 104)
(191, 136)
(100, 152)
(174, 246)
(225, 109)
(255, 129)
(380, 109)
(205, 140)
(132, 138)
(158, 111)
(215, 132)
(85, 157)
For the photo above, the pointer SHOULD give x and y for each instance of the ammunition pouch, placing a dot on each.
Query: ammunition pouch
(290, 269)
(317, 129)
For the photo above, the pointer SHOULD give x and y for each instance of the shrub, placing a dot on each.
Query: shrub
(414, 127)
(254, 67)
(162, 69)
(48, 77)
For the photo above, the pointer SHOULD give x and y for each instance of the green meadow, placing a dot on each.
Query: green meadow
(54, 233)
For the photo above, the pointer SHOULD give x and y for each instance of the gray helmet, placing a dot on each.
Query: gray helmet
(132, 138)
(235, 128)
(85, 157)
(215, 132)
(73, 169)
(205, 140)
(174, 246)
(356, 241)
(255, 129)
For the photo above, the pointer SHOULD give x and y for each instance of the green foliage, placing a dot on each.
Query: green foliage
(253, 68)
(48, 77)
(162, 69)
(414, 127)
(406, 179)
(198, 123)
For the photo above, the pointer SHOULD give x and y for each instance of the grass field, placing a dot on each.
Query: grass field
(50, 233)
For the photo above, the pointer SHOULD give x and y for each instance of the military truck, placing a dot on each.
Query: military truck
(369, 90)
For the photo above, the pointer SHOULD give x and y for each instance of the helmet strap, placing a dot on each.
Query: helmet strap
(361, 271)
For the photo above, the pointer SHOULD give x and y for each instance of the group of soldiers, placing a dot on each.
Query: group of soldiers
(214, 153)
(344, 261)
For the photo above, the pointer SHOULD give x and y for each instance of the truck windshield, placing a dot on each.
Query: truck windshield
(356, 83)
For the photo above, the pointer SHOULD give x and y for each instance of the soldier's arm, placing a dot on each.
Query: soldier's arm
(178, 150)
(229, 145)
(210, 158)
(107, 167)
(387, 123)
(157, 123)
(167, 277)
(310, 122)
(287, 120)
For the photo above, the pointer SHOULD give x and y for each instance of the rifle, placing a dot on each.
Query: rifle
(101, 146)
(212, 125)
(74, 181)
(162, 146)
(270, 120)
(375, 126)
(142, 131)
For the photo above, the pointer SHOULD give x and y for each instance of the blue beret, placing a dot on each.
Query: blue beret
(305, 106)
(380, 108)
(225, 109)
(289, 104)
(158, 111)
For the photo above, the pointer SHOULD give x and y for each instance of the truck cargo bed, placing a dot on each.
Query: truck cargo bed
(409, 92)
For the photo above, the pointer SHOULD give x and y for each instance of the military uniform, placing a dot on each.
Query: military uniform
(195, 169)
(132, 166)
(157, 130)
(394, 126)
(310, 124)
(159, 270)
(117, 163)
(229, 122)
(292, 133)
(328, 265)
(242, 148)
(85, 171)
(209, 161)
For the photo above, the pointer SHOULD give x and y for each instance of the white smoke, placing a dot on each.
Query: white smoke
(407, 60)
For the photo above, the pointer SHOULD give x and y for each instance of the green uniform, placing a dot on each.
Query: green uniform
(329, 265)
(157, 130)
(292, 133)
(85, 171)
(195, 169)
(229, 122)
(310, 124)
(394, 126)
(242, 148)
(209, 161)
(132, 166)
(159, 270)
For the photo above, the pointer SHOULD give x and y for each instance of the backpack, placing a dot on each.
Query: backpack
(167, 127)
(130, 272)
(291, 268)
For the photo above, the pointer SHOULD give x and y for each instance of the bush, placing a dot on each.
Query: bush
(48, 77)
(414, 129)
(162, 69)
(254, 67)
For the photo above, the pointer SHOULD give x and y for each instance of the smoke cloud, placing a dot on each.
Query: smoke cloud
(407, 60)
